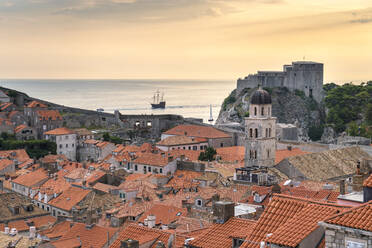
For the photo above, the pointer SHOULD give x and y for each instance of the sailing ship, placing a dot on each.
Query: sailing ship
(158, 100)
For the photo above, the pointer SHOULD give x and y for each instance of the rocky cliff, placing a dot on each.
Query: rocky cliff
(288, 107)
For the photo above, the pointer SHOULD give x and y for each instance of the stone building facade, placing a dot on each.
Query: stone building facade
(301, 75)
(260, 129)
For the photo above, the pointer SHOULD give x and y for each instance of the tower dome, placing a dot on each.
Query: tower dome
(261, 96)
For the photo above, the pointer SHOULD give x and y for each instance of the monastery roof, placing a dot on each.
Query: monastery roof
(197, 131)
(36, 104)
(368, 182)
(358, 217)
(285, 153)
(321, 166)
(32, 178)
(220, 235)
(69, 198)
(232, 153)
(180, 140)
(49, 114)
(60, 131)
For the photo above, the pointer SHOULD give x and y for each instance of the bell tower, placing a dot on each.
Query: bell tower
(260, 135)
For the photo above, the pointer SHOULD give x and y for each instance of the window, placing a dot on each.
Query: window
(269, 132)
(199, 203)
(161, 171)
(149, 169)
(251, 132)
(66, 145)
(135, 167)
(355, 243)
(189, 147)
(195, 148)
(73, 145)
(47, 208)
(268, 153)
(256, 133)
(60, 146)
(149, 124)
(262, 111)
(66, 137)
(221, 145)
(255, 154)
(255, 111)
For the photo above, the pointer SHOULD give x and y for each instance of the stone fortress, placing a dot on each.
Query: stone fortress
(301, 75)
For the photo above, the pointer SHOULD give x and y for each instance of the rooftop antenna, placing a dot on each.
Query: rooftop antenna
(211, 115)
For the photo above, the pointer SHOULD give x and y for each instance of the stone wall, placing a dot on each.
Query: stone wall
(338, 236)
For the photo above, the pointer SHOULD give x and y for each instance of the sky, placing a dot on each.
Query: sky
(183, 39)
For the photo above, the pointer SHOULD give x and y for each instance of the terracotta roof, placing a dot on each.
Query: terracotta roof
(104, 187)
(66, 242)
(151, 159)
(187, 225)
(52, 186)
(60, 131)
(20, 225)
(42, 221)
(82, 131)
(20, 128)
(189, 155)
(285, 153)
(164, 214)
(91, 141)
(57, 230)
(232, 153)
(5, 105)
(4, 163)
(35, 104)
(180, 140)
(142, 234)
(32, 178)
(49, 114)
(289, 215)
(51, 158)
(197, 131)
(69, 198)
(358, 217)
(94, 237)
(220, 235)
(368, 182)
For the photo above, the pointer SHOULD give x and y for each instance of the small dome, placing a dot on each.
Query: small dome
(261, 96)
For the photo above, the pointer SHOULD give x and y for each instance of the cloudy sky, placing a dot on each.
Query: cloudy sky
(211, 39)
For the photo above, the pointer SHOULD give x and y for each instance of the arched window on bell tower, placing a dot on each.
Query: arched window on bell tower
(251, 133)
(255, 111)
(255, 154)
(256, 133)
(262, 111)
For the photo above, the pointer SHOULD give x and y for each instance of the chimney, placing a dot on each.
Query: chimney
(151, 221)
(342, 187)
(223, 211)
(129, 243)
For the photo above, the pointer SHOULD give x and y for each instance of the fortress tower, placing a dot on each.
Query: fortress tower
(260, 130)
(306, 76)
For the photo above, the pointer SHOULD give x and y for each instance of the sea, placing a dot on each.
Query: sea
(189, 98)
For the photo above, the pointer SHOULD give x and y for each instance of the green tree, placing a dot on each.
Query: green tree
(368, 114)
(106, 136)
(208, 154)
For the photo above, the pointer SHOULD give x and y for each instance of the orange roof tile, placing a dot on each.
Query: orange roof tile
(20, 128)
(42, 221)
(180, 140)
(197, 131)
(164, 214)
(67, 242)
(190, 155)
(57, 230)
(231, 154)
(91, 141)
(94, 237)
(20, 225)
(151, 159)
(20, 154)
(51, 158)
(368, 182)
(4, 163)
(142, 234)
(220, 235)
(5, 105)
(35, 104)
(285, 153)
(358, 217)
(60, 131)
(69, 198)
(49, 114)
(32, 178)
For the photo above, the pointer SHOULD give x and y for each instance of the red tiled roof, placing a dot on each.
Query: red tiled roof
(197, 131)
(51, 158)
(69, 198)
(149, 158)
(60, 131)
(67, 242)
(35, 104)
(368, 182)
(20, 154)
(220, 235)
(49, 114)
(358, 217)
(180, 140)
(42, 221)
(32, 178)
(5, 105)
(20, 128)
(164, 214)
(285, 153)
(231, 154)
(4, 163)
(94, 237)
(142, 234)
(190, 155)
(57, 230)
